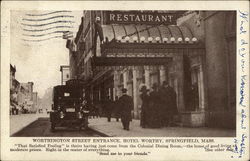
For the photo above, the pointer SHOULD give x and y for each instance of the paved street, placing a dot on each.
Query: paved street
(41, 128)
(18, 122)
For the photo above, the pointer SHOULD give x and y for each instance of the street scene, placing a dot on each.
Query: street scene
(130, 73)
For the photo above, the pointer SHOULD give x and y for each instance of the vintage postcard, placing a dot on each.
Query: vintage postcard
(136, 80)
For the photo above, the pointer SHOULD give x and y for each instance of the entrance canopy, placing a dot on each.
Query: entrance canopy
(148, 34)
(128, 45)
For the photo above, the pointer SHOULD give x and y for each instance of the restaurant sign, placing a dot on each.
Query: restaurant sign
(137, 17)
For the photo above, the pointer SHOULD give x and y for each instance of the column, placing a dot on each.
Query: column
(135, 93)
(125, 79)
(202, 95)
(92, 93)
(147, 76)
(179, 85)
(116, 82)
(162, 74)
(99, 94)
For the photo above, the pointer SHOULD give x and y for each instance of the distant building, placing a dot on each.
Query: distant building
(35, 99)
(29, 89)
(22, 95)
(12, 75)
(14, 87)
(27, 97)
(64, 69)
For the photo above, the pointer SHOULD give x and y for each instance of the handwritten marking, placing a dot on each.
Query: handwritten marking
(242, 52)
(239, 143)
(243, 116)
(242, 145)
(244, 15)
(242, 90)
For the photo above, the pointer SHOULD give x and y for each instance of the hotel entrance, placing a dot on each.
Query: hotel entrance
(130, 56)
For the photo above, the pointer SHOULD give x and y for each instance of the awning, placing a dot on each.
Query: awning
(147, 34)
(138, 45)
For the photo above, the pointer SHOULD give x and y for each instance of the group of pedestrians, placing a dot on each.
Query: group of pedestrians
(121, 108)
(157, 110)
(158, 107)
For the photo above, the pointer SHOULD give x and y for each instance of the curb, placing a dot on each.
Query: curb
(99, 132)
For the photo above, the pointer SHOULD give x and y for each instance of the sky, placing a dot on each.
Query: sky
(36, 59)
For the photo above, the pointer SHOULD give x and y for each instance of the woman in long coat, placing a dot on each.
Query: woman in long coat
(155, 108)
(144, 108)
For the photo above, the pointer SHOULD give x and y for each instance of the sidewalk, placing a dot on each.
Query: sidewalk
(18, 122)
(114, 128)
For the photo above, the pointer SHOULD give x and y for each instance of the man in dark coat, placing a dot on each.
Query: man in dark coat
(168, 104)
(126, 105)
(144, 107)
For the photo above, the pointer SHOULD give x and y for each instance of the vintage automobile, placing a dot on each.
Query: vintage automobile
(69, 107)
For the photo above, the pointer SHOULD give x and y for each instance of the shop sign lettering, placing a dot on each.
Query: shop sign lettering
(135, 17)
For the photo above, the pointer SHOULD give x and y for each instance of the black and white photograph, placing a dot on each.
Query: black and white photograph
(123, 73)
(124, 80)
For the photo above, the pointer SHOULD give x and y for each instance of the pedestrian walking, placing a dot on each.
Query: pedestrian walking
(126, 105)
(144, 107)
(154, 108)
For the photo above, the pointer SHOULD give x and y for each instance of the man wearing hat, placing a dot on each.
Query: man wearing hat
(144, 107)
(126, 105)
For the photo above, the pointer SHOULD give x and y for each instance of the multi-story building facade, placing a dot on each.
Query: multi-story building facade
(21, 94)
(64, 69)
(28, 98)
(29, 89)
(14, 87)
(128, 49)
